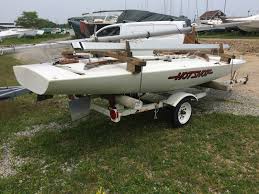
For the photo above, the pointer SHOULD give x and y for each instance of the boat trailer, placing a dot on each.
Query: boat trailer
(119, 106)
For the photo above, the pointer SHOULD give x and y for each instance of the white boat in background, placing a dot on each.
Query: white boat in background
(132, 28)
(11, 33)
(27, 32)
(18, 33)
(252, 24)
(40, 32)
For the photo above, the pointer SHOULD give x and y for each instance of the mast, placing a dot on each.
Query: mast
(188, 9)
(171, 7)
(125, 4)
(147, 4)
(181, 10)
(207, 9)
(225, 5)
(197, 11)
(164, 6)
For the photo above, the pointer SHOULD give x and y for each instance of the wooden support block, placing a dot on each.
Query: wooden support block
(226, 58)
(134, 68)
(191, 38)
(68, 54)
(221, 48)
(134, 65)
(129, 53)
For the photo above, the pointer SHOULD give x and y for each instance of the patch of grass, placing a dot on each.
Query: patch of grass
(7, 77)
(228, 35)
(16, 115)
(215, 153)
(32, 40)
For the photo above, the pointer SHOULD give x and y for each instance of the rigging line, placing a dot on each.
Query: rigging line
(164, 6)
(181, 10)
(225, 6)
(232, 67)
(171, 3)
(188, 5)
(197, 11)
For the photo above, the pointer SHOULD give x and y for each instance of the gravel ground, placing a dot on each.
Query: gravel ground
(233, 102)
(39, 55)
(244, 99)
(6, 166)
(243, 46)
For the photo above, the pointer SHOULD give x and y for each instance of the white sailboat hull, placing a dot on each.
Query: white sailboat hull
(251, 26)
(157, 76)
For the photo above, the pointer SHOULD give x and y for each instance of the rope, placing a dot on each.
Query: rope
(141, 79)
(232, 66)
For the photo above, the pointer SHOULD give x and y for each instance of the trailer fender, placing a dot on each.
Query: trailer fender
(174, 99)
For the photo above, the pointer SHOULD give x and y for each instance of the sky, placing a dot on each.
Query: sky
(59, 10)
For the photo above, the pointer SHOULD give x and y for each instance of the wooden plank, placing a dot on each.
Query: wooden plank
(134, 64)
(226, 58)
(100, 63)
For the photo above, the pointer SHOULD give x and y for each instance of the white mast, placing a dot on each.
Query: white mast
(171, 7)
(146, 4)
(188, 6)
(164, 6)
(197, 9)
(207, 9)
(225, 6)
(181, 9)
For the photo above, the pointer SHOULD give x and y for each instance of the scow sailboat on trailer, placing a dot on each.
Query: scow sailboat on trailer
(127, 73)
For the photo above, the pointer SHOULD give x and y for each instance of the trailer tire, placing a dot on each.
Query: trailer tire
(182, 113)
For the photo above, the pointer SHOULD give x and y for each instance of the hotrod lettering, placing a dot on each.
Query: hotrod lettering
(192, 74)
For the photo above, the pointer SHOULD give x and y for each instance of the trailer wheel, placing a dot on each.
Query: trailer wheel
(182, 113)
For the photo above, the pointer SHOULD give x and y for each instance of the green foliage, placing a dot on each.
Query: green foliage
(139, 155)
(6, 70)
(66, 26)
(42, 23)
(32, 20)
(28, 19)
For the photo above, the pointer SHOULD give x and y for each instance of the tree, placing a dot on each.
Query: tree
(42, 23)
(28, 19)
(32, 20)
